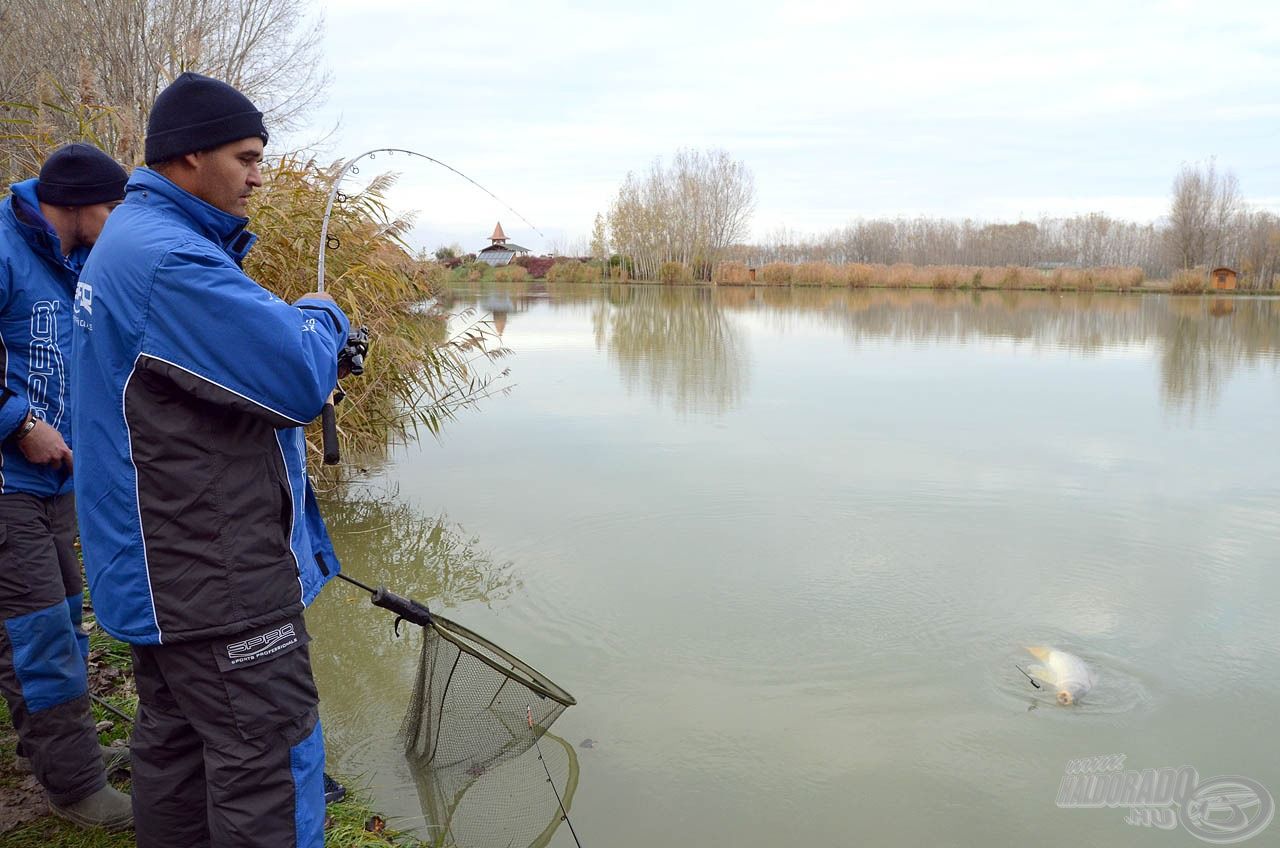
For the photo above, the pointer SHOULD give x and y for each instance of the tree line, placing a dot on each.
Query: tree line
(697, 215)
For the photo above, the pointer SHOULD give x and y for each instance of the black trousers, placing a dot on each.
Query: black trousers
(227, 748)
(42, 669)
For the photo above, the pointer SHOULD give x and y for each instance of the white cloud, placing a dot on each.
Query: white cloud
(840, 110)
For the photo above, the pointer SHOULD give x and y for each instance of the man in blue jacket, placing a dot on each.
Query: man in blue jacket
(202, 540)
(47, 226)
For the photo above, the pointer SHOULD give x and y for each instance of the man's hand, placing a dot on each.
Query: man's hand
(44, 446)
(321, 295)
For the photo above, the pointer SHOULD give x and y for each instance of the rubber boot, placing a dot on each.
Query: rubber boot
(113, 759)
(108, 808)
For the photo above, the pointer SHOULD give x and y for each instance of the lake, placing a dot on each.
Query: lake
(786, 548)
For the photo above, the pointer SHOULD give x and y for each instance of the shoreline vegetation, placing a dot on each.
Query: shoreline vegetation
(25, 820)
(852, 276)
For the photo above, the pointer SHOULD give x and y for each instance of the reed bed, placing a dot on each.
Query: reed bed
(1188, 281)
(731, 273)
(903, 275)
(510, 274)
(674, 273)
(573, 271)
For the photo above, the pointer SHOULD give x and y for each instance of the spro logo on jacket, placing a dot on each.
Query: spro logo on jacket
(82, 306)
(37, 284)
(47, 374)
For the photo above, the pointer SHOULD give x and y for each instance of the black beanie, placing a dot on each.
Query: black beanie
(80, 174)
(199, 113)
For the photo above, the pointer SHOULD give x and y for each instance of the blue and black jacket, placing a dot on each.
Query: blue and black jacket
(36, 286)
(192, 384)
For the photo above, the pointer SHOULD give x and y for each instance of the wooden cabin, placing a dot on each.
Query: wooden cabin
(1223, 279)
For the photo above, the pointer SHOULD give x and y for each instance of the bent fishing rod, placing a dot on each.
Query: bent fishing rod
(404, 609)
(328, 419)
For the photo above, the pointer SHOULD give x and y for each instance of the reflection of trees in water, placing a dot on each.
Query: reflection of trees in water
(675, 343)
(1207, 341)
(365, 673)
(381, 540)
(678, 344)
(1201, 342)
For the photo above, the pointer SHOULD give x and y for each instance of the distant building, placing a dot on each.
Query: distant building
(1223, 278)
(500, 252)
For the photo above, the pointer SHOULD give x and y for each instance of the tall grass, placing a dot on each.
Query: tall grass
(1189, 281)
(674, 273)
(510, 274)
(731, 273)
(777, 273)
(419, 372)
(573, 271)
(940, 277)
(815, 273)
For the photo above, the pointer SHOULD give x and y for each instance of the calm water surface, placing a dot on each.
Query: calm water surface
(786, 547)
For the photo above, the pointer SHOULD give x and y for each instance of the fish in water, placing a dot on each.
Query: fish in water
(1065, 672)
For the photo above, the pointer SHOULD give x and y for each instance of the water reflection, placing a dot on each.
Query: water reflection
(381, 539)
(364, 671)
(1199, 342)
(512, 805)
(676, 344)
(681, 344)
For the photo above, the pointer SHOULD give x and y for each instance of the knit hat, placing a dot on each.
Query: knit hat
(199, 113)
(80, 174)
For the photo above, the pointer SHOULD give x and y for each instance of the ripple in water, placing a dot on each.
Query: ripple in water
(1120, 686)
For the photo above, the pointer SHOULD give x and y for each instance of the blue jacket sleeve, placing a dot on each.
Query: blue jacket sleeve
(13, 405)
(224, 338)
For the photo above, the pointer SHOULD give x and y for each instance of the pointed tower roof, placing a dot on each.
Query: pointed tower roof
(498, 236)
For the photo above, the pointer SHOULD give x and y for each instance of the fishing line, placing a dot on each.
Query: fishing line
(350, 167)
(564, 814)
(1034, 682)
(328, 416)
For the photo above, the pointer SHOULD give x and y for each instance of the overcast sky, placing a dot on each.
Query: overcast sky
(993, 111)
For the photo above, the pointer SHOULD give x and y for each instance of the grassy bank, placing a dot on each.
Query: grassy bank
(24, 818)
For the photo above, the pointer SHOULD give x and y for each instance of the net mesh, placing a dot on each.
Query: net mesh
(510, 806)
(467, 714)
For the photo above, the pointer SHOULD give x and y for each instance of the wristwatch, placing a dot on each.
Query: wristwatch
(27, 426)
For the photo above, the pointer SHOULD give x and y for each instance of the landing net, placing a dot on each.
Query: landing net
(467, 713)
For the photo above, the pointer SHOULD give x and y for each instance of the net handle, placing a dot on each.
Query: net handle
(535, 680)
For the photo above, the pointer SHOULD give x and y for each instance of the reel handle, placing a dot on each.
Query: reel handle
(329, 433)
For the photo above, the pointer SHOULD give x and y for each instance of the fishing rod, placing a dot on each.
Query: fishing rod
(328, 419)
(102, 702)
(564, 814)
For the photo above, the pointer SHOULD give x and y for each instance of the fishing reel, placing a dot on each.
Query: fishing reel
(354, 351)
(351, 358)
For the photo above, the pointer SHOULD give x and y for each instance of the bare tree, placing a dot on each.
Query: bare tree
(689, 212)
(121, 53)
(1202, 215)
(599, 239)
